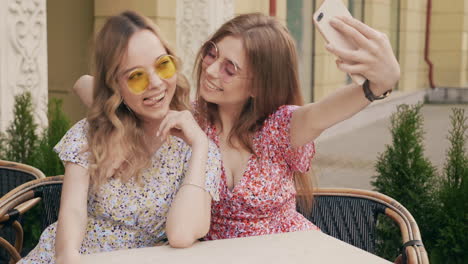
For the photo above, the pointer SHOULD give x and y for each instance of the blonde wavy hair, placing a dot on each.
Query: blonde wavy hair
(116, 139)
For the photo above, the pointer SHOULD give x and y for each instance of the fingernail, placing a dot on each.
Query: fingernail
(329, 46)
(333, 21)
(157, 134)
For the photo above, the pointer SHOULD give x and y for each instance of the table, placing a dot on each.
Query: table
(286, 248)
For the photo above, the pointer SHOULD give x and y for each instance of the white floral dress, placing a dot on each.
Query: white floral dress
(127, 215)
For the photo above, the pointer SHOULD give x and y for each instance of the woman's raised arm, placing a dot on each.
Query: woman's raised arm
(374, 59)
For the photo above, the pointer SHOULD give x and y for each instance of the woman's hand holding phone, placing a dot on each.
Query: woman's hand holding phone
(373, 57)
(363, 52)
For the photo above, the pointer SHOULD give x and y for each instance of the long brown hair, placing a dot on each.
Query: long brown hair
(273, 62)
(115, 138)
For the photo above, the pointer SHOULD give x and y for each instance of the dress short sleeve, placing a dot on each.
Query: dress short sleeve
(213, 169)
(297, 158)
(72, 147)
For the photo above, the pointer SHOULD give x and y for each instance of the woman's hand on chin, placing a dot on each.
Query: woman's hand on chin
(182, 124)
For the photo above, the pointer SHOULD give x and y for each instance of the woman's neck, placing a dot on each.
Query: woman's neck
(150, 129)
(228, 116)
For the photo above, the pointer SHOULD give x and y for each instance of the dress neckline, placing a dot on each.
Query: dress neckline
(245, 177)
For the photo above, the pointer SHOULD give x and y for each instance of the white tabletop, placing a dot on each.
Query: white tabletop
(297, 247)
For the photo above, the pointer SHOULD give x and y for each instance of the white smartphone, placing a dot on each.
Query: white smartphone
(328, 10)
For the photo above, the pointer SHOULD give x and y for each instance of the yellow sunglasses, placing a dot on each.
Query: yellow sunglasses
(138, 80)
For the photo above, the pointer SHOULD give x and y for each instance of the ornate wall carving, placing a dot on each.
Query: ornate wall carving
(195, 22)
(24, 57)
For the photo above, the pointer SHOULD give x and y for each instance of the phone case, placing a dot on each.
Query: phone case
(328, 10)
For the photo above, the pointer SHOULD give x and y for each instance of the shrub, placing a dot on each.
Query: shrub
(20, 137)
(407, 176)
(452, 241)
(3, 143)
(44, 156)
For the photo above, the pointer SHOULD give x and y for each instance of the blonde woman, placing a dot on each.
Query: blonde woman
(126, 185)
(249, 103)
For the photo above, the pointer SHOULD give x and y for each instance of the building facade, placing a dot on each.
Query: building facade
(46, 44)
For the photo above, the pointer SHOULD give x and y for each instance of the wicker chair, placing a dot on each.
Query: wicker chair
(351, 215)
(19, 200)
(13, 174)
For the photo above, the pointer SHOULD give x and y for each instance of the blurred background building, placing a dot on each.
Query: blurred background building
(45, 44)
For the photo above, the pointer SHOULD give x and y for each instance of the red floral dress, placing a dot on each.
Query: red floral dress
(264, 201)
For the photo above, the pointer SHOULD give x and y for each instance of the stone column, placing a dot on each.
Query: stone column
(23, 57)
(412, 28)
(195, 22)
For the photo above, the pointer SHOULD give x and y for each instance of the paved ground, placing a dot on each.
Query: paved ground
(348, 160)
